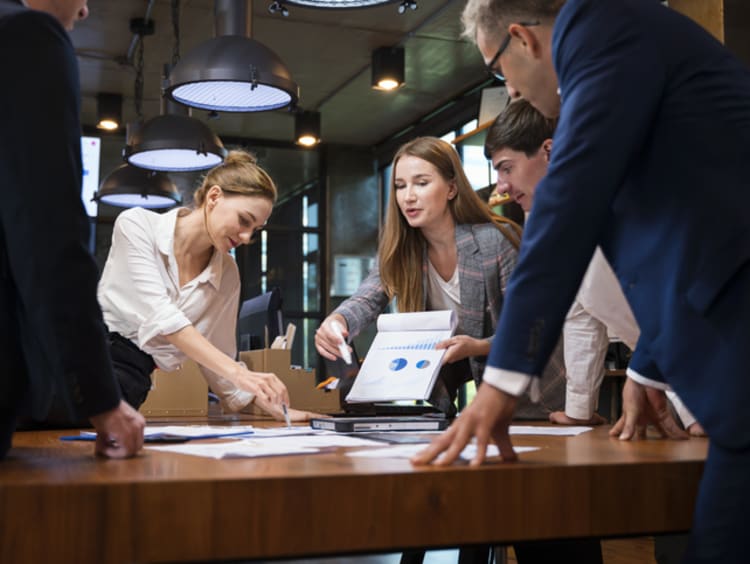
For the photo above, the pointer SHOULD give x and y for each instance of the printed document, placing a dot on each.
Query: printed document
(403, 363)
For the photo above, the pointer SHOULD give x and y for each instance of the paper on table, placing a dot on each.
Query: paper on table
(193, 431)
(235, 449)
(409, 450)
(272, 432)
(402, 363)
(550, 431)
(279, 446)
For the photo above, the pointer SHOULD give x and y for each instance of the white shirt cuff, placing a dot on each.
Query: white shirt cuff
(686, 418)
(513, 383)
(580, 405)
(633, 375)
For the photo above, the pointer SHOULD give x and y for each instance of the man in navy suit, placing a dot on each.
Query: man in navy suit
(52, 337)
(654, 128)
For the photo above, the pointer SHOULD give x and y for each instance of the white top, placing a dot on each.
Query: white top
(142, 300)
(600, 310)
(442, 295)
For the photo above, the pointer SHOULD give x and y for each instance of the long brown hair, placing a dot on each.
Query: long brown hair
(401, 249)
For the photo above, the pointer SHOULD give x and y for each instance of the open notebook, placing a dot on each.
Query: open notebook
(403, 363)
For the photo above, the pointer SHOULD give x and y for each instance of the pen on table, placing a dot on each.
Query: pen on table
(286, 416)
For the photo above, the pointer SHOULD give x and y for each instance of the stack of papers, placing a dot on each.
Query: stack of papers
(279, 446)
(251, 442)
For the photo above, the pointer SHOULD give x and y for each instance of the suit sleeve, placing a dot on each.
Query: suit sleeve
(599, 50)
(46, 227)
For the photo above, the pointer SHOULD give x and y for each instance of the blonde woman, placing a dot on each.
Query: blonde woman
(170, 289)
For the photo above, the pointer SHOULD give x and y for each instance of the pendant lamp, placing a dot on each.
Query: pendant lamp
(129, 186)
(280, 5)
(108, 111)
(232, 72)
(307, 128)
(173, 141)
(388, 68)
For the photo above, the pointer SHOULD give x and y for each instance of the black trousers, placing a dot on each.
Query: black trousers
(132, 368)
(7, 427)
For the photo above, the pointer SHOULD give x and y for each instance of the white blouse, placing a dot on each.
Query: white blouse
(142, 300)
(442, 294)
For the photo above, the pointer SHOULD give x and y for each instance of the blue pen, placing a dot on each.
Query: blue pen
(286, 416)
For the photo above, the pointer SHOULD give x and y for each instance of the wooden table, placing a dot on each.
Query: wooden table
(58, 503)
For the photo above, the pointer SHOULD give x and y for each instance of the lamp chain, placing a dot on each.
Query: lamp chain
(138, 85)
(176, 31)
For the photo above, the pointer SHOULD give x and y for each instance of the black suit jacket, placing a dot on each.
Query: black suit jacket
(52, 337)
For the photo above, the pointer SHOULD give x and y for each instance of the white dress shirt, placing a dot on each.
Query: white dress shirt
(142, 300)
(599, 312)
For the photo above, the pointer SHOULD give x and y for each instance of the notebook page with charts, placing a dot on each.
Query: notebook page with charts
(403, 363)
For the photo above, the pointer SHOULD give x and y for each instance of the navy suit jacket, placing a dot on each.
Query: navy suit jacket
(52, 337)
(651, 160)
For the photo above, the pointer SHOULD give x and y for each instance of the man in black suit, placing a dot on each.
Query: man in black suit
(52, 337)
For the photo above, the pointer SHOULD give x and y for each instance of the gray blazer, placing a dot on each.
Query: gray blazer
(485, 261)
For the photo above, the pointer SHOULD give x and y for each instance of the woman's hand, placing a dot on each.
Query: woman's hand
(327, 340)
(295, 415)
(265, 386)
(462, 346)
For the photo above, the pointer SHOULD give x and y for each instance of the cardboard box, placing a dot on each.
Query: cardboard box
(301, 383)
(181, 392)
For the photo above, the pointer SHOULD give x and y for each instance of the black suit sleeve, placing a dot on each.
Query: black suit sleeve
(45, 226)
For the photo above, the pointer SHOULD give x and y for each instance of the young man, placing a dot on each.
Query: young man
(519, 144)
(51, 332)
(653, 113)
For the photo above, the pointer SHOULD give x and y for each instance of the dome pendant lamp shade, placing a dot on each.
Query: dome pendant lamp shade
(174, 143)
(340, 4)
(232, 72)
(128, 186)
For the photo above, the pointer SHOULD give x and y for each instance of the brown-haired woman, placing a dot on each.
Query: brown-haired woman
(442, 248)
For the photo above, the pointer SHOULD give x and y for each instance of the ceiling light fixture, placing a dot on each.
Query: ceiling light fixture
(129, 186)
(173, 141)
(232, 72)
(307, 128)
(407, 5)
(108, 111)
(388, 68)
(279, 6)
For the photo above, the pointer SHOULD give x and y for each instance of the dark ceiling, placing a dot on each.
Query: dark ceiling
(327, 51)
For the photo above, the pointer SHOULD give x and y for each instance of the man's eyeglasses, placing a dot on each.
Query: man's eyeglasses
(498, 74)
